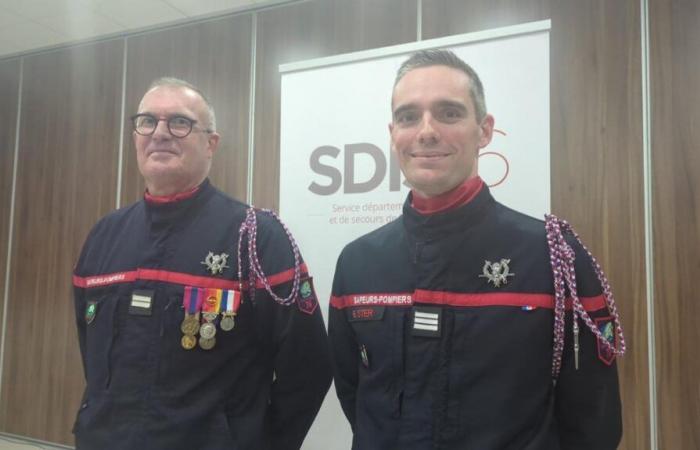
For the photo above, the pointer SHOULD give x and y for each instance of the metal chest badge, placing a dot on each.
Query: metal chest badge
(497, 273)
(215, 263)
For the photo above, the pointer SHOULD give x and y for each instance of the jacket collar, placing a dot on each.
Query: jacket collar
(450, 221)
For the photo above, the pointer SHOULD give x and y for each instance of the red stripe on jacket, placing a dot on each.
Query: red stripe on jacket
(460, 299)
(178, 278)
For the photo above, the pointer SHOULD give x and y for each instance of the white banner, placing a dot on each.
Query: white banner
(338, 179)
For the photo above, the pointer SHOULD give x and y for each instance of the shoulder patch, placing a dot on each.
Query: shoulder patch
(306, 300)
(607, 329)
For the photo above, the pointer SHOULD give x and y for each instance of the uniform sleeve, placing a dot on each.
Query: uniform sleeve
(301, 360)
(80, 305)
(344, 349)
(79, 300)
(588, 399)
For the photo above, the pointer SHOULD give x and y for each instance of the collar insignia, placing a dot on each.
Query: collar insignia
(215, 263)
(497, 273)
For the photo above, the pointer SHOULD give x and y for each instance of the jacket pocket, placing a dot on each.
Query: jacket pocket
(379, 331)
(100, 333)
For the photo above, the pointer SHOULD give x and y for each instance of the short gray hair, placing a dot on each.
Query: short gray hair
(438, 57)
(178, 83)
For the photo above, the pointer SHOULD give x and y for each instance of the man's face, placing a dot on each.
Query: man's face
(170, 164)
(434, 130)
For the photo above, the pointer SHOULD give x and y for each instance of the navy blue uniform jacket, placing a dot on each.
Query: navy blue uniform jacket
(475, 372)
(262, 384)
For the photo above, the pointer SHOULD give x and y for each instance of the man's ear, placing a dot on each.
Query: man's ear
(486, 130)
(213, 142)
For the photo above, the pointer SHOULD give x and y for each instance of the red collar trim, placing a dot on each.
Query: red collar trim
(461, 195)
(162, 199)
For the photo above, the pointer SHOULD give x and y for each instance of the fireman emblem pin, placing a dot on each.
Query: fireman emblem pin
(497, 273)
(215, 263)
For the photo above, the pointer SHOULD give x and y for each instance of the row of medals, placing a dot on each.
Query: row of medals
(207, 331)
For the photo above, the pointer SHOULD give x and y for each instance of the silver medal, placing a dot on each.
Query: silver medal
(207, 330)
(227, 322)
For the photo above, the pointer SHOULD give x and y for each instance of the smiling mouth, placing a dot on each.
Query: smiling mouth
(429, 155)
(161, 150)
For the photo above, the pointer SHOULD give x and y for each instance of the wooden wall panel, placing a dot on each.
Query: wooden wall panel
(9, 84)
(307, 30)
(448, 17)
(214, 56)
(597, 168)
(596, 149)
(66, 180)
(675, 131)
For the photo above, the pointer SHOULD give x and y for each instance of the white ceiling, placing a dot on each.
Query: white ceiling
(27, 25)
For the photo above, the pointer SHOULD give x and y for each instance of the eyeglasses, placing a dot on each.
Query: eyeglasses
(178, 126)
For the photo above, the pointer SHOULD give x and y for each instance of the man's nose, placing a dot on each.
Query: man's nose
(428, 134)
(161, 131)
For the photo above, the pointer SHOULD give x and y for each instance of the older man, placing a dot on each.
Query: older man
(448, 325)
(197, 320)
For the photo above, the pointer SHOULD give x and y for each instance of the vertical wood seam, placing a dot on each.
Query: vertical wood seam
(251, 107)
(648, 225)
(419, 21)
(120, 162)
(8, 264)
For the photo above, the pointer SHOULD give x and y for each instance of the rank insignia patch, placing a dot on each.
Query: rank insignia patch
(427, 321)
(90, 311)
(307, 296)
(215, 263)
(141, 303)
(496, 273)
(607, 329)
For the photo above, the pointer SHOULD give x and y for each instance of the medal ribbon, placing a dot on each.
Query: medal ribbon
(230, 301)
(212, 304)
(192, 299)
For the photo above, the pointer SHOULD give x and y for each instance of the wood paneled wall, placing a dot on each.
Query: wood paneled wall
(66, 180)
(312, 30)
(597, 168)
(596, 149)
(9, 85)
(214, 56)
(69, 150)
(675, 131)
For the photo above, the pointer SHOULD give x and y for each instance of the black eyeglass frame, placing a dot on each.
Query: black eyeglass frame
(167, 120)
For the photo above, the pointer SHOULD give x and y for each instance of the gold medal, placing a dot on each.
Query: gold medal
(190, 325)
(207, 330)
(207, 344)
(227, 322)
(188, 342)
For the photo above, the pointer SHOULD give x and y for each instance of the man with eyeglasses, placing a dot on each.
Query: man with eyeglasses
(197, 320)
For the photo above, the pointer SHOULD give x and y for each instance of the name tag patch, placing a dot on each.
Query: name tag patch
(141, 303)
(365, 313)
(427, 321)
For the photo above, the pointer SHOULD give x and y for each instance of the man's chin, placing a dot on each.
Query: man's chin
(158, 172)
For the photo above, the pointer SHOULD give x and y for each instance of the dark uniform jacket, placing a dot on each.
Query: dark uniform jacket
(429, 354)
(259, 387)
